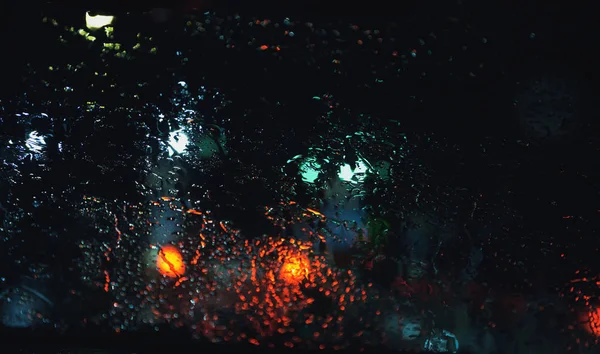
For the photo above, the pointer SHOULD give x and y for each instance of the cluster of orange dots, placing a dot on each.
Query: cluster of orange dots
(273, 293)
(591, 321)
(274, 282)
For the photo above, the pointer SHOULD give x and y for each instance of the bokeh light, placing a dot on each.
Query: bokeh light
(590, 321)
(170, 262)
(164, 194)
(98, 21)
(294, 269)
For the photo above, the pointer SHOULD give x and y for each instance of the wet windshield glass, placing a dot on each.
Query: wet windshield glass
(422, 184)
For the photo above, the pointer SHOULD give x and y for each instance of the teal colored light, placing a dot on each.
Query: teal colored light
(310, 169)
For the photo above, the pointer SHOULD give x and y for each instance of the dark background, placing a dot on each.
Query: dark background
(567, 37)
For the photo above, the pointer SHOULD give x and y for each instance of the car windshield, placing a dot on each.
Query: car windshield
(426, 182)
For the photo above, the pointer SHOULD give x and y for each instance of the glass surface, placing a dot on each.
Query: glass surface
(423, 183)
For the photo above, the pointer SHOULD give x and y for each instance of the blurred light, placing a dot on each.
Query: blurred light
(178, 142)
(357, 174)
(411, 328)
(591, 321)
(309, 168)
(98, 21)
(35, 142)
(169, 262)
(295, 269)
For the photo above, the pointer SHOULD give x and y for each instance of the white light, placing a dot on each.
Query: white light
(98, 21)
(178, 142)
(353, 175)
(35, 142)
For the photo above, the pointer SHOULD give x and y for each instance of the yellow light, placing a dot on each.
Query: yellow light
(98, 21)
(170, 262)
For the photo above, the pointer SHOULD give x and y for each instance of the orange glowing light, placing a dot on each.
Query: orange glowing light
(591, 321)
(170, 262)
(294, 269)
